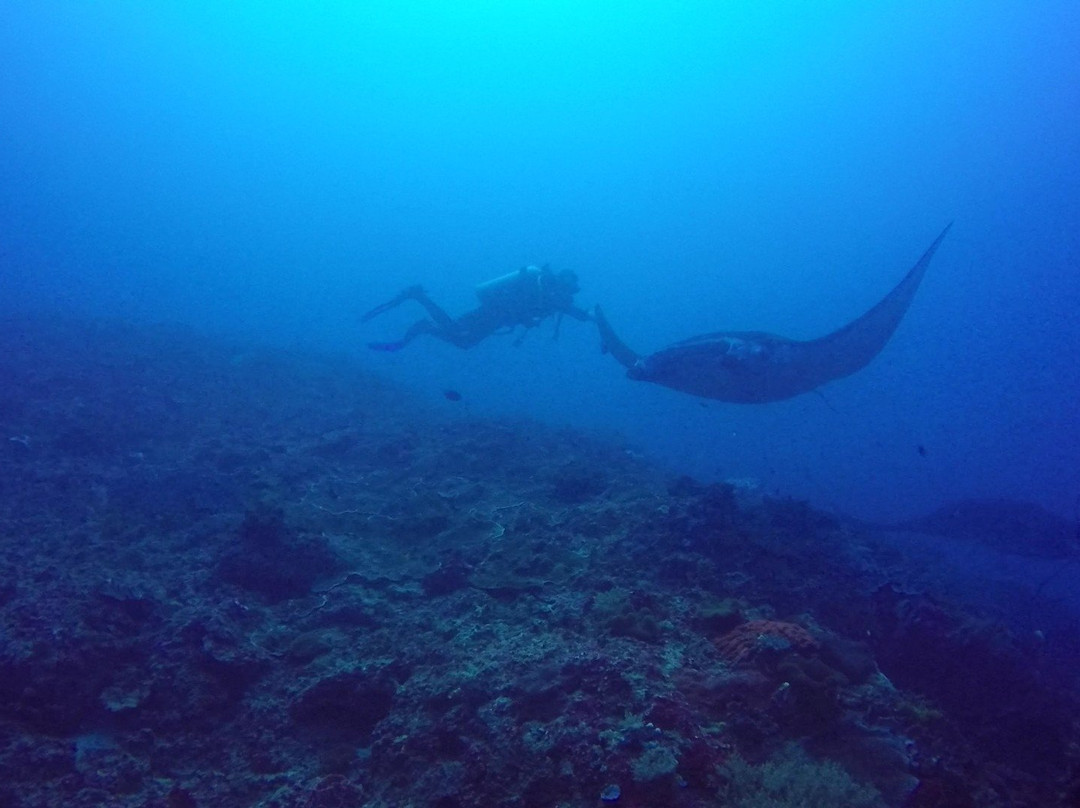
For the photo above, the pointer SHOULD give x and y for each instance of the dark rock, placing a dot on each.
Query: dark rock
(448, 578)
(274, 562)
(346, 706)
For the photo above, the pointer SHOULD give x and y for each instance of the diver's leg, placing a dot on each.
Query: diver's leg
(411, 293)
(470, 328)
(437, 313)
(464, 332)
(458, 337)
(415, 330)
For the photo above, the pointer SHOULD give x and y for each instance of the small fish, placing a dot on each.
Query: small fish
(921, 450)
(452, 395)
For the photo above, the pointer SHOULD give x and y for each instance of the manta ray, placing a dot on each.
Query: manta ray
(753, 367)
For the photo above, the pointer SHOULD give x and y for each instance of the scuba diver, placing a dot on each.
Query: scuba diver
(525, 297)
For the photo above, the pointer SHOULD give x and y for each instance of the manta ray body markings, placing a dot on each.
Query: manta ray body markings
(753, 367)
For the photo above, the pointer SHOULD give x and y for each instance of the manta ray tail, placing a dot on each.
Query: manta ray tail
(610, 342)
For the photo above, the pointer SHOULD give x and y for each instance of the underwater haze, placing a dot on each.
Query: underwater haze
(274, 169)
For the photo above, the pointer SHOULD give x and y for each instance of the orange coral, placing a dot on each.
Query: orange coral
(756, 635)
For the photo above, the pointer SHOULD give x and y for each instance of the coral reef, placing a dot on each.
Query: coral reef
(238, 577)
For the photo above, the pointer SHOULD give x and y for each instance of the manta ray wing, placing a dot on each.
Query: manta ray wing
(752, 367)
(855, 345)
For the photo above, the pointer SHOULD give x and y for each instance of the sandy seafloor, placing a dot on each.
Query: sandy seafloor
(238, 576)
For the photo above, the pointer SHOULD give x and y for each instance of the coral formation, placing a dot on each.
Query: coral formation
(763, 636)
(237, 577)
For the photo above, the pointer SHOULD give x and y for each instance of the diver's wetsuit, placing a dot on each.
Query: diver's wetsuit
(524, 298)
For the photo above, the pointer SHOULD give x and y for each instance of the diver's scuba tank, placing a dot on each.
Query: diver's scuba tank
(512, 289)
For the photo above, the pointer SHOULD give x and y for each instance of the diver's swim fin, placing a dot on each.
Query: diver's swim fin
(412, 293)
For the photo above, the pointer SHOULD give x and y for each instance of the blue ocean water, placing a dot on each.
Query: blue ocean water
(274, 169)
